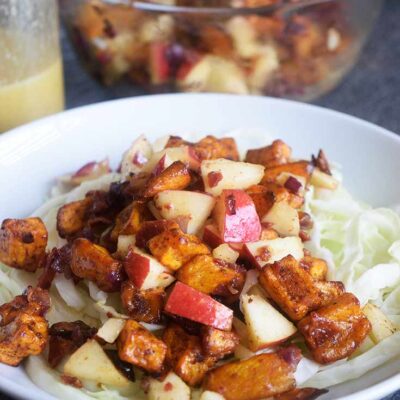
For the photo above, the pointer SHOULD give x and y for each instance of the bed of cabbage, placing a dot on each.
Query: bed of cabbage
(361, 245)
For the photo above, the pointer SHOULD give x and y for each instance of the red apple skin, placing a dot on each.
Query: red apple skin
(212, 238)
(137, 268)
(160, 70)
(236, 217)
(196, 306)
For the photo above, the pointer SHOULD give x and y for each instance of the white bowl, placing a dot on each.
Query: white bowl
(33, 155)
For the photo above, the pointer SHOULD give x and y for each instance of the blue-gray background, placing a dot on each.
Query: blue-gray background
(371, 91)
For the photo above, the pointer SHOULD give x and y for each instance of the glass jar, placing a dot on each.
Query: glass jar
(31, 77)
(231, 46)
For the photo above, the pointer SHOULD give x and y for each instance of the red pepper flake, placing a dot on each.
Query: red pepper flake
(214, 178)
(139, 159)
(292, 184)
(168, 387)
(230, 205)
(72, 381)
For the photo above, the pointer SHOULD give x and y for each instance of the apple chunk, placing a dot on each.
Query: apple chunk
(193, 206)
(236, 217)
(266, 326)
(223, 174)
(283, 218)
(136, 156)
(189, 303)
(91, 363)
(226, 253)
(265, 252)
(145, 271)
(111, 329)
(171, 387)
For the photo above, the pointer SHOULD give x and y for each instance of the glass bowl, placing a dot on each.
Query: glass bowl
(301, 50)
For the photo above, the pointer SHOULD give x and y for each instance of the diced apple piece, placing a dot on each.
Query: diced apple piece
(366, 345)
(208, 395)
(226, 253)
(124, 243)
(164, 158)
(244, 37)
(283, 177)
(213, 74)
(266, 326)
(170, 388)
(283, 218)
(223, 174)
(264, 66)
(177, 204)
(241, 329)
(382, 327)
(236, 217)
(111, 329)
(322, 180)
(136, 157)
(159, 65)
(266, 252)
(91, 363)
(189, 303)
(145, 271)
(212, 238)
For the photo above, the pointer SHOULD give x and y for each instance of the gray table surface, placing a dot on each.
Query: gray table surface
(371, 91)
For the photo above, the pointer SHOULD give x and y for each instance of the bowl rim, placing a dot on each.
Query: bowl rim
(281, 7)
(378, 390)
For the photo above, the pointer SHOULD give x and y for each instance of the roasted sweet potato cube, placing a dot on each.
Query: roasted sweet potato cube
(293, 289)
(275, 154)
(265, 196)
(218, 343)
(71, 217)
(149, 229)
(329, 290)
(301, 394)
(173, 248)
(137, 346)
(23, 329)
(335, 331)
(130, 219)
(258, 377)
(175, 177)
(23, 243)
(212, 276)
(210, 148)
(142, 305)
(316, 267)
(301, 168)
(94, 263)
(185, 355)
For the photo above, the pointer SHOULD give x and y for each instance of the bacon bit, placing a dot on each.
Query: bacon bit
(139, 159)
(304, 236)
(321, 162)
(231, 205)
(72, 381)
(263, 254)
(109, 314)
(168, 387)
(305, 220)
(109, 29)
(292, 184)
(214, 178)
